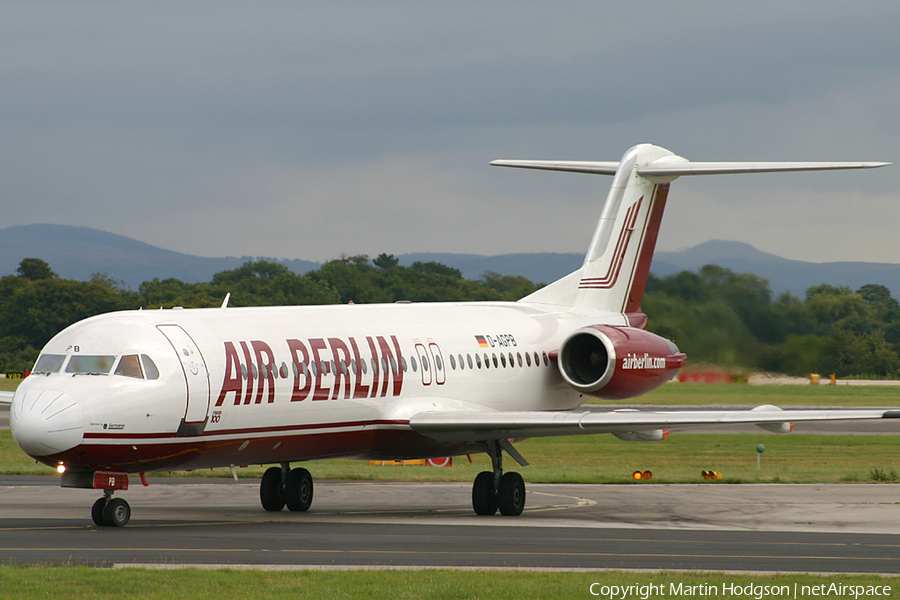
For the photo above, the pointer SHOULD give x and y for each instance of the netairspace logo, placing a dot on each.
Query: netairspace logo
(733, 590)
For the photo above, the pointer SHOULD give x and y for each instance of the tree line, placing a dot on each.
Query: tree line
(714, 315)
(35, 303)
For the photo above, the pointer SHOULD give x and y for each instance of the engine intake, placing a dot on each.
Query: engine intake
(615, 362)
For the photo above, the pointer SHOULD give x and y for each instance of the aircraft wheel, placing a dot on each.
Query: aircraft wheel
(271, 493)
(483, 500)
(511, 495)
(97, 512)
(116, 512)
(298, 490)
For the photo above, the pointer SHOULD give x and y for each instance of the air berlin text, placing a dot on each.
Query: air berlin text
(321, 368)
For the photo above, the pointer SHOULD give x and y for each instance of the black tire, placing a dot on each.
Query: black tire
(511, 495)
(298, 490)
(97, 512)
(271, 492)
(116, 513)
(483, 500)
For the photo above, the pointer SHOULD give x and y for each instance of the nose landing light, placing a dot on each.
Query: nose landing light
(46, 422)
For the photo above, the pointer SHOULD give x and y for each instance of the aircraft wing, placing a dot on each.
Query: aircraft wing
(6, 397)
(478, 426)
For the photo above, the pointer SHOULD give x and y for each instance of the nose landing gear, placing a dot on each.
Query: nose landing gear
(110, 512)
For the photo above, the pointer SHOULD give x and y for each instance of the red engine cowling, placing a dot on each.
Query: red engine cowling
(614, 362)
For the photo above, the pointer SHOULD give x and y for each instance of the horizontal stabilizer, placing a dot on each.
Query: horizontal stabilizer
(671, 167)
(571, 166)
(659, 170)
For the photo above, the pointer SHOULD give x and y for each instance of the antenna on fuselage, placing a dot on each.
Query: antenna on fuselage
(227, 298)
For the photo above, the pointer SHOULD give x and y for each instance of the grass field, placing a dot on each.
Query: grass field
(680, 459)
(605, 459)
(737, 394)
(82, 583)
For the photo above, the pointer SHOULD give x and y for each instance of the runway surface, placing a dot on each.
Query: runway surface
(819, 528)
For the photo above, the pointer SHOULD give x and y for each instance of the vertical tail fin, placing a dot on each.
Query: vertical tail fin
(617, 262)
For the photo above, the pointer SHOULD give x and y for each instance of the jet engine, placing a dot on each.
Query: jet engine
(614, 362)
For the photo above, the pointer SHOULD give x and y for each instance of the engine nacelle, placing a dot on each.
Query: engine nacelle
(650, 435)
(614, 363)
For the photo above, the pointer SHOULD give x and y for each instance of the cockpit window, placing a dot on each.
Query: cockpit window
(100, 365)
(150, 369)
(49, 363)
(130, 366)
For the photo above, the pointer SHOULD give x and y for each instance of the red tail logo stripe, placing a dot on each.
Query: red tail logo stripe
(615, 265)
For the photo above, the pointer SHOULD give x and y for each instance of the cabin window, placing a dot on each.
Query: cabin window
(519, 356)
(469, 360)
(527, 359)
(487, 361)
(546, 360)
(495, 361)
(537, 360)
(415, 365)
(244, 372)
(453, 363)
(49, 363)
(284, 371)
(93, 365)
(502, 360)
(438, 364)
(478, 360)
(130, 366)
(403, 363)
(362, 365)
(424, 363)
(462, 365)
(512, 361)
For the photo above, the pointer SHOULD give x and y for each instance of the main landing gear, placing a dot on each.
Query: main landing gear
(283, 486)
(110, 512)
(499, 490)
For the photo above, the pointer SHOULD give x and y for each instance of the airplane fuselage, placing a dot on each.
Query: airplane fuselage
(239, 386)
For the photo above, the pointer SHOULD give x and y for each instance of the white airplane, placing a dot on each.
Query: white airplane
(158, 390)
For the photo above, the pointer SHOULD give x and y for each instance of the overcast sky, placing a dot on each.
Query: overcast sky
(311, 130)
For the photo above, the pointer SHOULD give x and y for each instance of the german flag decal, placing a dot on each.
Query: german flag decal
(481, 341)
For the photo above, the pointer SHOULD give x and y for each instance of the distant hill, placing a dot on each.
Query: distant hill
(79, 252)
(783, 274)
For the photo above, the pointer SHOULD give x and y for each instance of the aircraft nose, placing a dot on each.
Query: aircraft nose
(46, 422)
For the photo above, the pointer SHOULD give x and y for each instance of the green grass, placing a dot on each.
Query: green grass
(9, 385)
(83, 583)
(742, 394)
(605, 459)
(680, 459)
